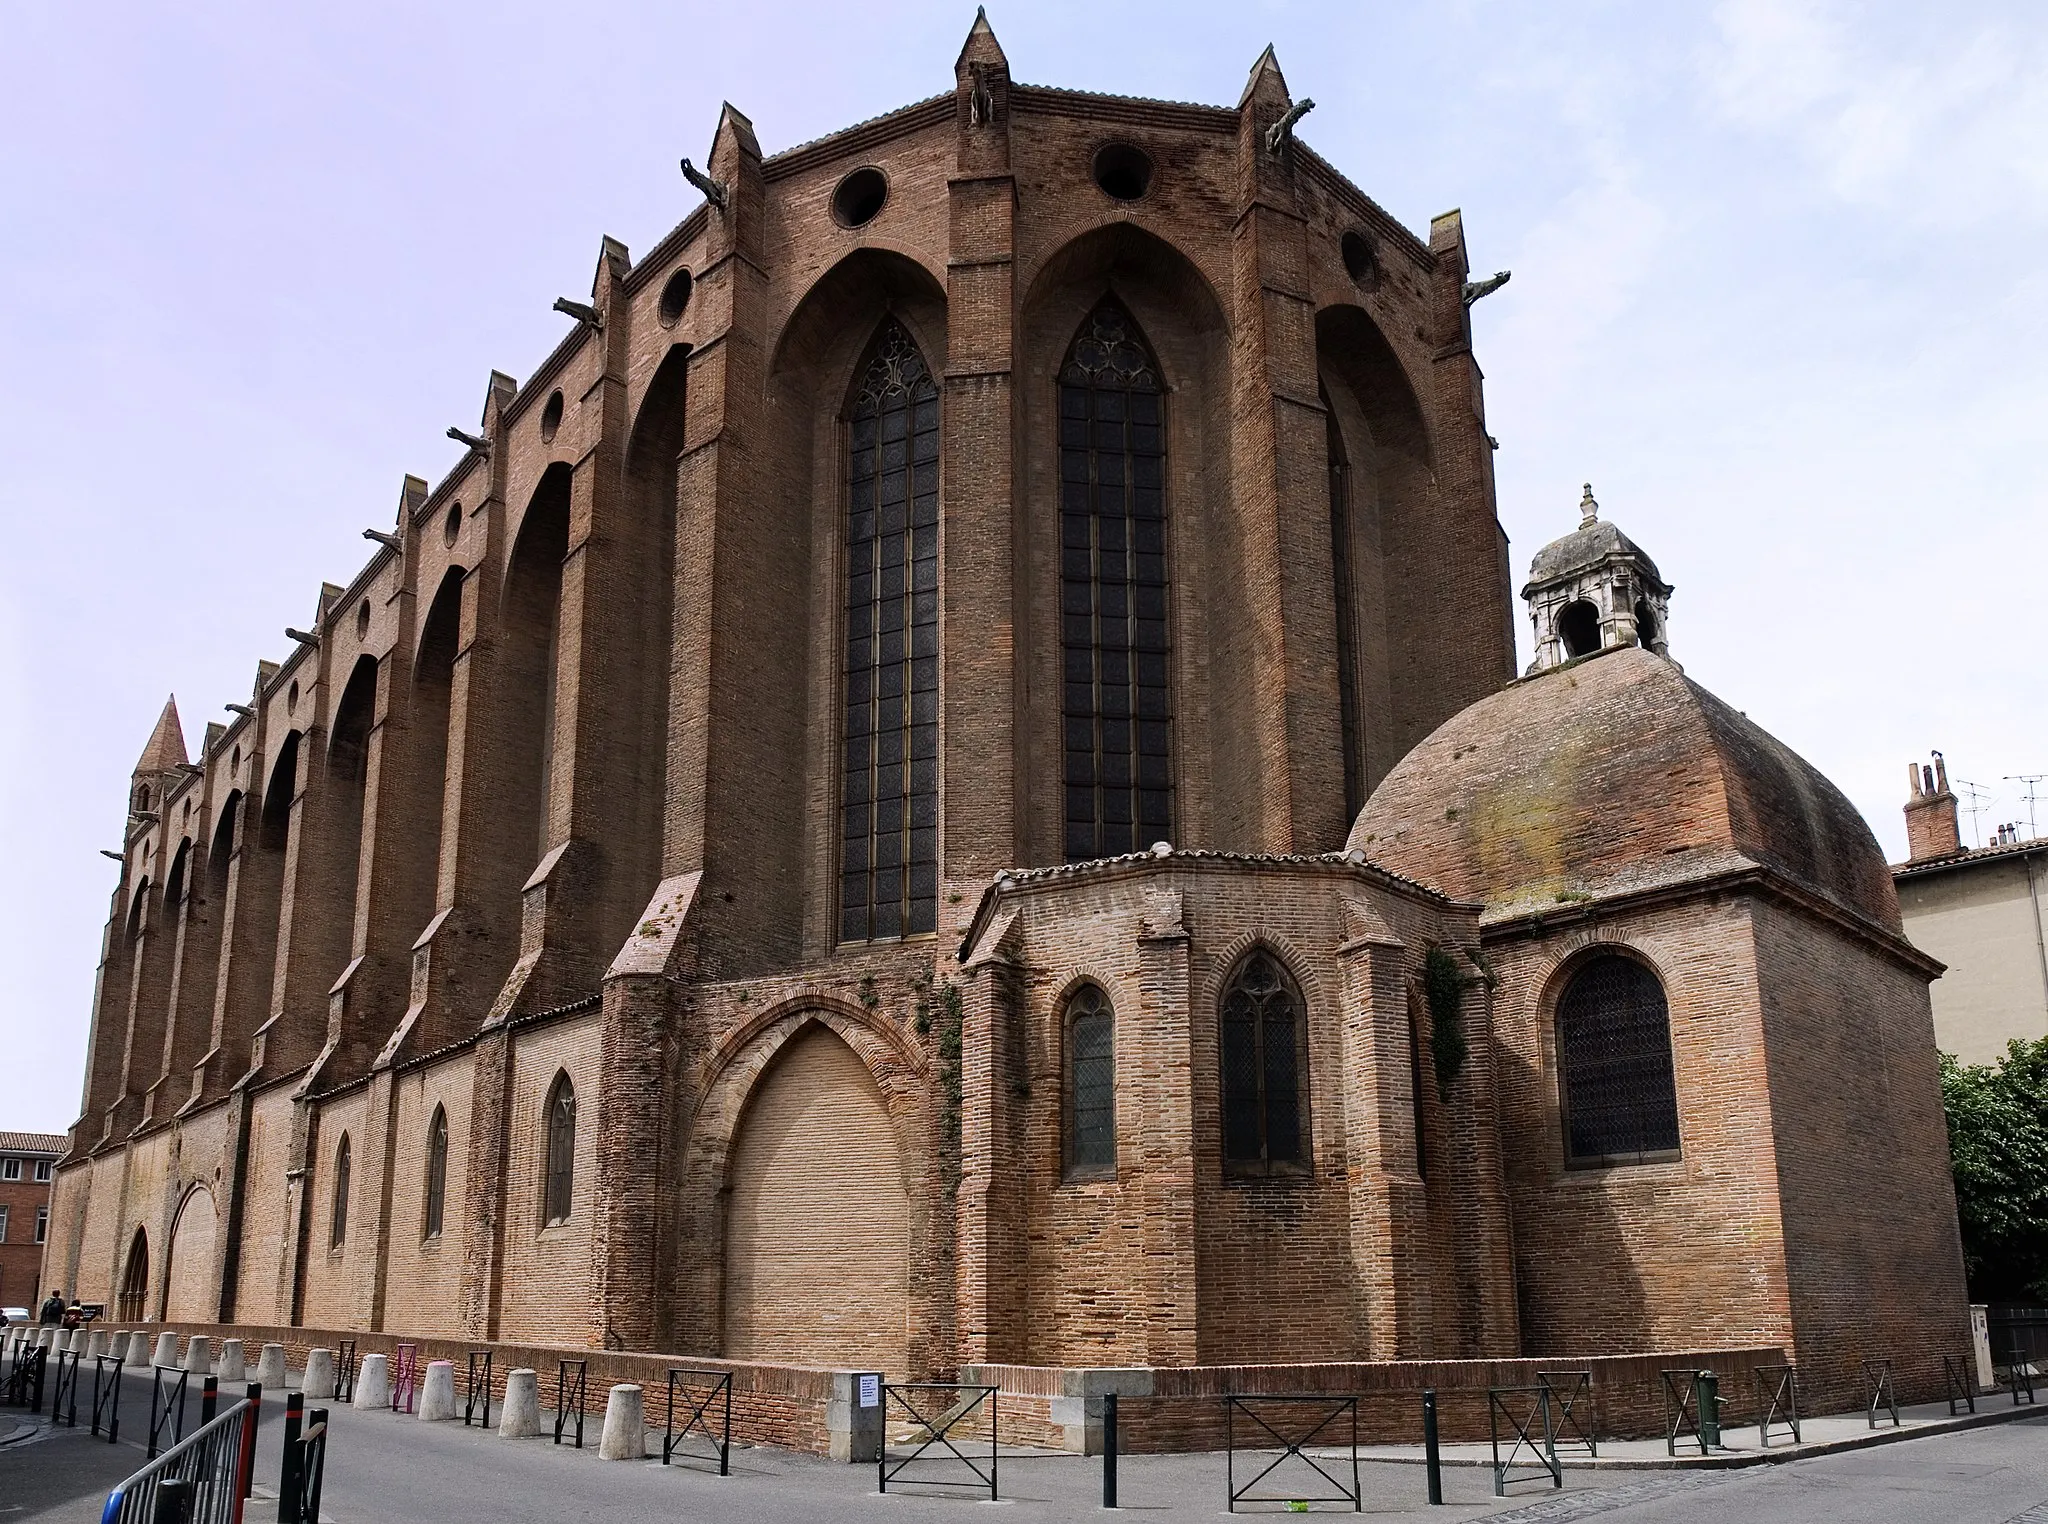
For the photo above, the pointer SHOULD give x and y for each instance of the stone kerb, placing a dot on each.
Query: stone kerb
(319, 1382)
(373, 1382)
(625, 1425)
(166, 1349)
(521, 1416)
(270, 1368)
(437, 1393)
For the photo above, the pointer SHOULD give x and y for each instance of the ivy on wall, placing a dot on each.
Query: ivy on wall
(1444, 987)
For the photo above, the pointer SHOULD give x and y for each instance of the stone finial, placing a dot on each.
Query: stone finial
(1589, 510)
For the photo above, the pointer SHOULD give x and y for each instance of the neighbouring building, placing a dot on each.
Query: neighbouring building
(1979, 910)
(28, 1163)
(946, 785)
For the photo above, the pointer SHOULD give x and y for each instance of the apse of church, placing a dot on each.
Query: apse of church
(823, 839)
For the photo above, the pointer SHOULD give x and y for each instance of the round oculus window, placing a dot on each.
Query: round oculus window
(1358, 258)
(860, 197)
(1123, 171)
(551, 416)
(675, 295)
(451, 527)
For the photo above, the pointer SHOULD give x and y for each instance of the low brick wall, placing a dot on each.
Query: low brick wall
(1174, 1409)
(781, 1405)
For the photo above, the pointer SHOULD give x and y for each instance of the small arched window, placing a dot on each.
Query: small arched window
(1091, 1083)
(437, 1173)
(337, 1232)
(1619, 1096)
(559, 1187)
(1265, 1067)
(1578, 626)
(1646, 625)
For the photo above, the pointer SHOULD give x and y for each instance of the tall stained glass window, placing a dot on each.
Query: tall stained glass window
(1091, 1083)
(889, 802)
(558, 1184)
(1265, 1063)
(1116, 710)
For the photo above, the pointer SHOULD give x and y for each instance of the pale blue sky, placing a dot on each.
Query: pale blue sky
(1778, 294)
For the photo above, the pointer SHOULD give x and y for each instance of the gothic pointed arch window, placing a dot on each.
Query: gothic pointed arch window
(1090, 1084)
(437, 1174)
(1617, 1088)
(1265, 1070)
(337, 1222)
(889, 799)
(1116, 710)
(558, 1184)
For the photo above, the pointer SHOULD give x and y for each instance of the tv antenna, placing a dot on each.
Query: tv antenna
(1977, 794)
(2029, 779)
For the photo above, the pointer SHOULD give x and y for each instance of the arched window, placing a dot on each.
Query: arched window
(559, 1187)
(1090, 1083)
(889, 855)
(1578, 626)
(1265, 1068)
(337, 1233)
(437, 1173)
(1115, 708)
(1646, 625)
(1347, 614)
(1619, 1097)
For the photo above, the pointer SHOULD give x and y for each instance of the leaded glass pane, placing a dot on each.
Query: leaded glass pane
(1614, 1043)
(1262, 1061)
(560, 1188)
(1091, 1081)
(1113, 590)
(889, 783)
(437, 1174)
(338, 1227)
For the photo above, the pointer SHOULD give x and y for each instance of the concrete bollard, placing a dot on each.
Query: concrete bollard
(373, 1382)
(521, 1416)
(270, 1368)
(319, 1383)
(199, 1355)
(138, 1350)
(231, 1366)
(625, 1425)
(437, 1392)
(96, 1344)
(166, 1349)
(61, 1342)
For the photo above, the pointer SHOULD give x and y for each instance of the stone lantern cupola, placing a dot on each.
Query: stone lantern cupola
(1593, 590)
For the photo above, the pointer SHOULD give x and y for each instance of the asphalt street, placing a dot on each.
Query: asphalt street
(388, 1467)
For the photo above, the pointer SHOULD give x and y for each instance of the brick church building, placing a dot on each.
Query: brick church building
(945, 785)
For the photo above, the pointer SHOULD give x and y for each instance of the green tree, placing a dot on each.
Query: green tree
(1998, 1145)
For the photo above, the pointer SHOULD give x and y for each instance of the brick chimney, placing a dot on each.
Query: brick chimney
(1931, 813)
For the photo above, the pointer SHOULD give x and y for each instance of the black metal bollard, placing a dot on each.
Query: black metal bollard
(318, 1427)
(1432, 1457)
(173, 1501)
(1709, 1389)
(1109, 1450)
(288, 1465)
(255, 1396)
(209, 1398)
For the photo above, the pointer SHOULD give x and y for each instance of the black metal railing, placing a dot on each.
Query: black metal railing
(1878, 1392)
(567, 1392)
(1571, 1400)
(2019, 1373)
(476, 1391)
(64, 1393)
(23, 1387)
(106, 1396)
(405, 1376)
(1531, 1433)
(933, 1411)
(202, 1479)
(1285, 1426)
(167, 1386)
(1777, 1401)
(1960, 1381)
(345, 1362)
(699, 1414)
(1682, 1410)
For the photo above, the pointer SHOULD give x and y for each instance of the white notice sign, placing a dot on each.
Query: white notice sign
(870, 1391)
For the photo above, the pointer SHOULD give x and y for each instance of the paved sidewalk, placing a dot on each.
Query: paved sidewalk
(1741, 1445)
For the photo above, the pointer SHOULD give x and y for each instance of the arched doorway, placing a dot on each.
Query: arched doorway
(134, 1280)
(191, 1295)
(817, 1229)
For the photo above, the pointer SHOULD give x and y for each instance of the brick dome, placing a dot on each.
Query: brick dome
(1609, 776)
